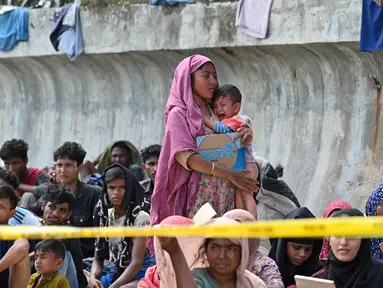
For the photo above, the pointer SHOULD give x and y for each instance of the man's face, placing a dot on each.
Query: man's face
(116, 191)
(6, 212)
(150, 167)
(120, 156)
(66, 171)
(17, 165)
(56, 214)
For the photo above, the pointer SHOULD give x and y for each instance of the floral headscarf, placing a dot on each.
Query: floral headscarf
(372, 202)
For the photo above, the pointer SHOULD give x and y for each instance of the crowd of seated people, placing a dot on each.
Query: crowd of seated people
(170, 184)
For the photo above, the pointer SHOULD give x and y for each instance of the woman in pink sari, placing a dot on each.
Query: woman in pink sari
(185, 180)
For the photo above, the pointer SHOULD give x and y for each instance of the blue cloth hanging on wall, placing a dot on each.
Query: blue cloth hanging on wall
(13, 28)
(371, 33)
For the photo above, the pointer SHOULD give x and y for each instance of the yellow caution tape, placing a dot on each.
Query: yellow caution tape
(350, 226)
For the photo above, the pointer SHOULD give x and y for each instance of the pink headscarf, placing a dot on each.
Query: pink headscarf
(245, 279)
(253, 243)
(336, 205)
(162, 274)
(176, 187)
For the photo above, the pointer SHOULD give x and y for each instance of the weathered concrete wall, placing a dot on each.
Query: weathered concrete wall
(142, 27)
(313, 105)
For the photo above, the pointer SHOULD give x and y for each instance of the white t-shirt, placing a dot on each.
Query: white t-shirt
(23, 217)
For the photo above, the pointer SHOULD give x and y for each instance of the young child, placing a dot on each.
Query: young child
(226, 103)
(49, 257)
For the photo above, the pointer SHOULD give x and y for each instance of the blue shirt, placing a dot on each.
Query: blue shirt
(23, 217)
(371, 32)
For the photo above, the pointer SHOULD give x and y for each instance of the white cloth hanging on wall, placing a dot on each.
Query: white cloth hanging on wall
(253, 17)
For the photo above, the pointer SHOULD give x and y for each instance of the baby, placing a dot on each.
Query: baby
(226, 103)
(49, 257)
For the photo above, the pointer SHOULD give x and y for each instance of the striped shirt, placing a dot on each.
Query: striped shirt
(23, 217)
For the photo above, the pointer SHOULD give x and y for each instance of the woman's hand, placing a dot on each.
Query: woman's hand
(245, 183)
(246, 134)
(169, 244)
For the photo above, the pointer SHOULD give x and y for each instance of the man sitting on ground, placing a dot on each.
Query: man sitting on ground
(68, 158)
(14, 259)
(14, 154)
(57, 207)
(150, 156)
(120, 152)
(22, 216)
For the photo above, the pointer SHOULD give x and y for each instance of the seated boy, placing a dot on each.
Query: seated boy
(14, 259)
(120, 205)
(226, 103)
(57, 210)
(49, 257)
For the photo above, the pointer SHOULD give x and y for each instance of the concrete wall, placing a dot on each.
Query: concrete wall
(141, 27)
(312, 101)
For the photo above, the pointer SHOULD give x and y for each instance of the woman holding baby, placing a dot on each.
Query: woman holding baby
(185, 180)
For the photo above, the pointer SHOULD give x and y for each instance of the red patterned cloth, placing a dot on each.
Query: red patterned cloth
(235, 122)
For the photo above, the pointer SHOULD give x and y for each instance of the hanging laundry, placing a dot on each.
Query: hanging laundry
(371, 33)
(171, 2)
(253, 17)
(13, 28)
(68, 38)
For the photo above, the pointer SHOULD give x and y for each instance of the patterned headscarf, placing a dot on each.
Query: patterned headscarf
(333, 206)
(372, 202)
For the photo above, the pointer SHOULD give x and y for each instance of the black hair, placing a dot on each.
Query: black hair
(14, 148)
(150, 151)
(114, 173)
(10, 178)
(72, 151)
(227, 90)
(58, 194)
(7, 192)
(350, 212)
(52, 245)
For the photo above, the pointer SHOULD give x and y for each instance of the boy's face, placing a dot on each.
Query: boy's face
(66, 171)
(6, 212)
(116, 191)
(47, 262)
(224, 108)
